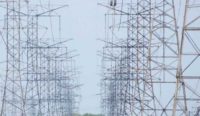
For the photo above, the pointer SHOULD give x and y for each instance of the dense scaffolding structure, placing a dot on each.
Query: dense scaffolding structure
(148, 66)
(40, 73)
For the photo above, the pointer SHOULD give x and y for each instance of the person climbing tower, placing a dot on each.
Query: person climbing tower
(113, 3)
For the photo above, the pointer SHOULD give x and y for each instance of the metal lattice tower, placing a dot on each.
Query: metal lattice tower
(40, 74)
(187, 95)
(145, 67)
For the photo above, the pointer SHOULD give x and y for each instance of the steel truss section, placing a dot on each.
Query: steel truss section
(40, 75)
(148, 65)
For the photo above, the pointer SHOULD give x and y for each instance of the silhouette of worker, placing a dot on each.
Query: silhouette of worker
(113, 2)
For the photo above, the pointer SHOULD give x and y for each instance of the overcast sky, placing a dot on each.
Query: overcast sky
(85, 21)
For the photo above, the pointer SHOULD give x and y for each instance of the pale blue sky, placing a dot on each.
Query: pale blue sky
(85, 22)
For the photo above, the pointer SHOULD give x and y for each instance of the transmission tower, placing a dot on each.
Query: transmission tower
(40, 74)
(146, 69)
(187, 95)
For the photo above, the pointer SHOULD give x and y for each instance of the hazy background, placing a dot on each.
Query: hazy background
(83, 17)
(84, 21)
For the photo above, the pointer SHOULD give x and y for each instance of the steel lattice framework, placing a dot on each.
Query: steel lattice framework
(40, 73)
(150, 59)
